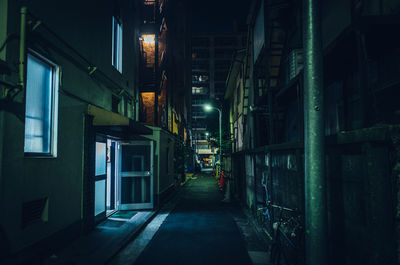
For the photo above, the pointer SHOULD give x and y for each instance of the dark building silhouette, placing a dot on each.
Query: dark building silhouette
(265, 106)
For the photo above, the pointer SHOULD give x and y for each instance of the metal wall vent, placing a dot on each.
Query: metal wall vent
(34, 211)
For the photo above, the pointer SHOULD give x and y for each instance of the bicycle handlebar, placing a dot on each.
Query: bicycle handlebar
(277, 207)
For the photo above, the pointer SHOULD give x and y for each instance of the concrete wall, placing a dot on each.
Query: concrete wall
(335, 18)
(26, 179)
(86, 26)
(164, 177)
(381, 7)
(167, 176)
(362, 169)
(360, 193)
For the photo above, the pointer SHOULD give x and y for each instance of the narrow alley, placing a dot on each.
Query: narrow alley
(201, 229)
(158, 132)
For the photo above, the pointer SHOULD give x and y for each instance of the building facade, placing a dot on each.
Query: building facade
(211, 59)
(72, 148)
(265, 97)
(165, 96)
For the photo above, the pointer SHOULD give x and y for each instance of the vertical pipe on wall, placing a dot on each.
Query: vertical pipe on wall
(157, 81)
(314, 135)
(22, 47)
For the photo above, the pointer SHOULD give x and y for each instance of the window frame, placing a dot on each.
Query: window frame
(116, 54)
(53, 124)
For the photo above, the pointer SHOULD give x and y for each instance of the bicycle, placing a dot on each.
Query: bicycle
(290, 229)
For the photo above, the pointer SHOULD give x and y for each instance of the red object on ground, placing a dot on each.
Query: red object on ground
(221, 180)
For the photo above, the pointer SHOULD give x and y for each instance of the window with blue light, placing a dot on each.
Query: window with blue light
(41, 106)
(117, 44)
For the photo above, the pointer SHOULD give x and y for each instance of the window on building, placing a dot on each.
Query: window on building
(199, 123)
(198, 109)
(199, 90)
(200, 99)
(199, 102)
(117, 44)
(41, 107)
(200, 77)
(198, 113)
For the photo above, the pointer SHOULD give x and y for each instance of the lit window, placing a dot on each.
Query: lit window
(199, 90)
(117, 44)
(41, 107)
(200, 77)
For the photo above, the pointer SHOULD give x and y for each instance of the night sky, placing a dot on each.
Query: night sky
(217, 15)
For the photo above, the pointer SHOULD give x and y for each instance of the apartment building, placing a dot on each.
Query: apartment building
(73, 149)
(211, 59)
(164, 82)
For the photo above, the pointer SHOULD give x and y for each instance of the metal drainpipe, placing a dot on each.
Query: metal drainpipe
(22, 47)
(157, 81)
(314, 136)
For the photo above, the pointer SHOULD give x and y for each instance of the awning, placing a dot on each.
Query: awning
(114, 124)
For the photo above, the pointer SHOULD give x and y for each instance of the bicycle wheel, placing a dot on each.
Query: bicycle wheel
(278, 256)
(275, 254)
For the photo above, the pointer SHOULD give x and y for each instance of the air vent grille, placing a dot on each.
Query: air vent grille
(34, 211)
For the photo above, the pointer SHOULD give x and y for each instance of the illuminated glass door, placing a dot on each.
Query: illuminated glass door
(136, 175)
(100, 180)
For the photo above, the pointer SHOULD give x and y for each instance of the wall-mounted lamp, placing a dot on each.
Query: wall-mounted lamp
(148, 39)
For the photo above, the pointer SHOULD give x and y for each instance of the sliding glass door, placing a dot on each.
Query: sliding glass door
(136, 175)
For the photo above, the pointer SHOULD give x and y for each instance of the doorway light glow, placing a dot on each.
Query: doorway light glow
(148, 39)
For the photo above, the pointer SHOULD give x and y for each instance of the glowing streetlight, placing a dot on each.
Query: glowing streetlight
(208, 107)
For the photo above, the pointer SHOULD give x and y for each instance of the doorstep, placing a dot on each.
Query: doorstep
(101, 244)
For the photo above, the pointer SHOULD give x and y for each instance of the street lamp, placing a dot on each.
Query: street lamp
(209, 108)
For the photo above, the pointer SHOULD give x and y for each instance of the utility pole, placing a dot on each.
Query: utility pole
(314, 137)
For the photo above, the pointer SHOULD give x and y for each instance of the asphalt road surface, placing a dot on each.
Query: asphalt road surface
(199, 230)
